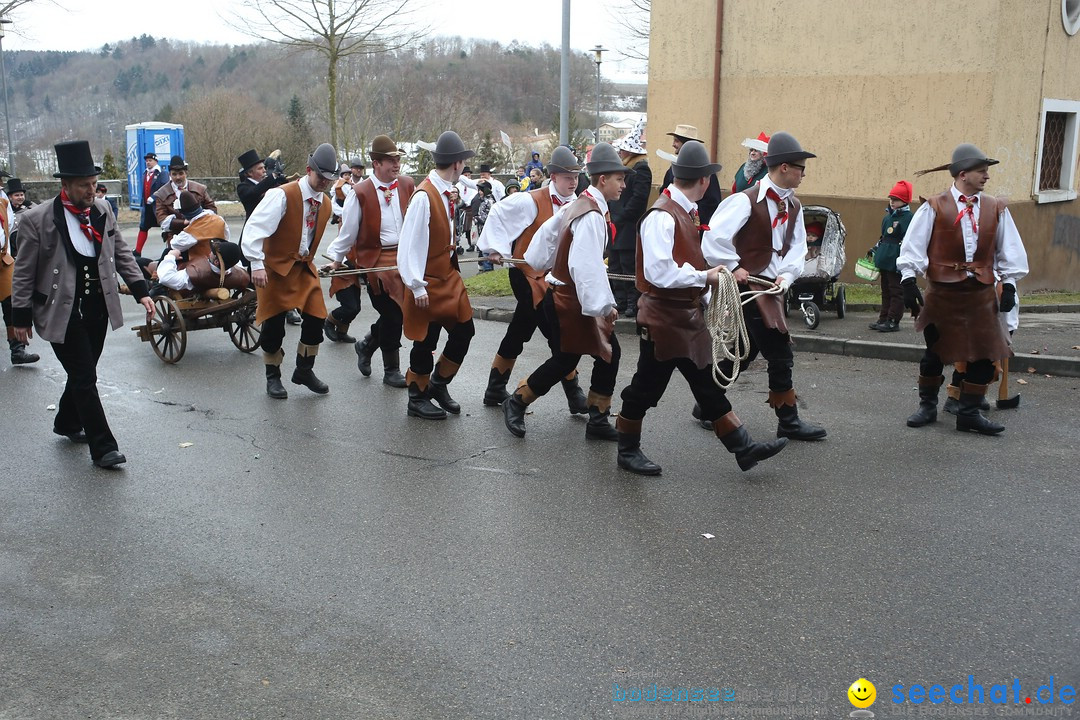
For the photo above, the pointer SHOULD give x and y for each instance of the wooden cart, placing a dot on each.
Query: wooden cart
(176, 316)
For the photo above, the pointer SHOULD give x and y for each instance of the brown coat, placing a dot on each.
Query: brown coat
(204, 228)
(673, 316)
(292, 281)
(579, 334)
(544, 211)
(448, 302)
(165, 198)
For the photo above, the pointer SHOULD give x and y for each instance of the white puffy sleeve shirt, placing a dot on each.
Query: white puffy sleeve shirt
(657, 247)
(414, 241)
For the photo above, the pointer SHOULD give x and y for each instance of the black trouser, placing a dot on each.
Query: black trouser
(979, 372)
(6, 305)
(273, 331)
(527, 317)
(622, 262)
(561, 364)
(349, 298)
(651, 380)
(774, 346)
(458, 338)
(80, 406)
(892, 297)
(386, 330)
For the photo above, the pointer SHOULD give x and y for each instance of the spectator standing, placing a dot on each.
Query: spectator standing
(893, 228)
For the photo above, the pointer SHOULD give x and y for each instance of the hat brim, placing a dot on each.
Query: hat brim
(446, 159)
(85, 172)
(790, 157)
(755, 144)
(376, 155)
(684, 138)
(605, 168)
(552, 169)
(970, 164)
(693, 173)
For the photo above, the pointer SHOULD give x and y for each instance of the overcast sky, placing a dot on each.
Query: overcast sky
(532, 22)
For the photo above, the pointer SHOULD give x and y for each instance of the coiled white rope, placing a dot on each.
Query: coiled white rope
(727, 326)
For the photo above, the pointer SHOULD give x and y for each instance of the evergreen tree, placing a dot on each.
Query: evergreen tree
(110, 170)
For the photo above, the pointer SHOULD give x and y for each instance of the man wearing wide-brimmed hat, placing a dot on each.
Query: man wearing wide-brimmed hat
(672, 275)
(65, 287)
(498, 190)
(579, 307)
(281, 239)
(153, 180)
(708, 203)
(507, 233)
(167, 198)
(751, 171)
(760, 232)
(435, 296)
(371, 221)
(254, 180)
(626, 211)
(963, 241)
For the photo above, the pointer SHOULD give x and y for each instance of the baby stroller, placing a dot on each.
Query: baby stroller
(817, 289)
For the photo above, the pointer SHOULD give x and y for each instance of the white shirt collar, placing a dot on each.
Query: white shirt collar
(678, 196)
(441, 185)
(765, 183)
(564, 200)
(956, 194)
(306, 192)
(595, 195)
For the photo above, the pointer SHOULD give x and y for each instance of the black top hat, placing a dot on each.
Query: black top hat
(485, 168)
(177, 163)
(693, 162)
(249, 159)
(450, 148)
(150, 156)
(73, 160)
(15, 185)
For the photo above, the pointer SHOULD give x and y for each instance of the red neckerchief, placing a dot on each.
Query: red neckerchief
(83, 216)
(970, 202)
(781, 207)
(388, 192)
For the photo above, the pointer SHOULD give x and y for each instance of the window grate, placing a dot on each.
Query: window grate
(1053, 150)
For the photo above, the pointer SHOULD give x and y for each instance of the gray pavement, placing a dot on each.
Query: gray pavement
(329, 557)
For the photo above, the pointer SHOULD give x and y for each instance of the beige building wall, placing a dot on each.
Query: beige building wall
(878, 89)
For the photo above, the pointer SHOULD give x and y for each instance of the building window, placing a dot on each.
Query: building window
(1055, 174)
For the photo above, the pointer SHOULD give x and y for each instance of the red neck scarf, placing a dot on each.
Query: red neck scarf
(388, 192)
(969, 210)
(781, 207)
(83, 216)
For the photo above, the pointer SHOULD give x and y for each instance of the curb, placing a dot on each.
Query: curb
(1021, 364)
(1024, 309)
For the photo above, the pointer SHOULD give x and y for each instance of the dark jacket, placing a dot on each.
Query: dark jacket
(893, 228)
(707, 205)
(631, 206)
(148, 218)
(250, 194)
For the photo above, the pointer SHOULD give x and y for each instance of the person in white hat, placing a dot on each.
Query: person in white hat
(963, 241)
(673, 277)
(751, 171)
(761, 232)
(711, 199)
(626, 212)
(579, 307)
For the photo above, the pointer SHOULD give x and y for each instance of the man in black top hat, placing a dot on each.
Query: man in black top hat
(65, 287)
(167, 198)
(255, 180)
(153, 179)
(19, 204)
(760, 232)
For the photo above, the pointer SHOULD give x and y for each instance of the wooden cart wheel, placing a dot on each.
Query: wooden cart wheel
(242, 329)
(168, 332)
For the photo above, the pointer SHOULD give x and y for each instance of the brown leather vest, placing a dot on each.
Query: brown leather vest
(365, 252)
(687, 249)
(946, 259)
(282, 249)
(544, 210)
(203, 276)
(205, 228)
(339, 190)
(561, 269)
(441, 246)
(753, 242)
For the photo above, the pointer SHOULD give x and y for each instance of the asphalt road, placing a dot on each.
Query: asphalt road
(329, 557)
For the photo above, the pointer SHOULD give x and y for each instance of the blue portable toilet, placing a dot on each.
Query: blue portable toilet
(162, 139)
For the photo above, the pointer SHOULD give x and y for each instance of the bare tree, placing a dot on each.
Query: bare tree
(335, 30)
(634, 16)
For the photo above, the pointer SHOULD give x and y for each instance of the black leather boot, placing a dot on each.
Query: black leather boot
(575, 398)
(630, 456)
(952, 400)
(598, 427)
(968, 417)
(440, 393)
(514, 409)
(928, 395)
(364, 350)
(495, 393)
(274, 388)
(337, 333)
(737, 440)
(304, 374)
(19, 354)
(787, 412)
(392, 376)
(420, 404)
(696, 412)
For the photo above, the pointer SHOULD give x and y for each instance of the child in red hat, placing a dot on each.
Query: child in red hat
(893, 227)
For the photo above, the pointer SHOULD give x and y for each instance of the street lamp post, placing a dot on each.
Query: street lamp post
(3, 87)
(598, 52)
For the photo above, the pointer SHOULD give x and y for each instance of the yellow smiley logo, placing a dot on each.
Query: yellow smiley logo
(862, 693)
